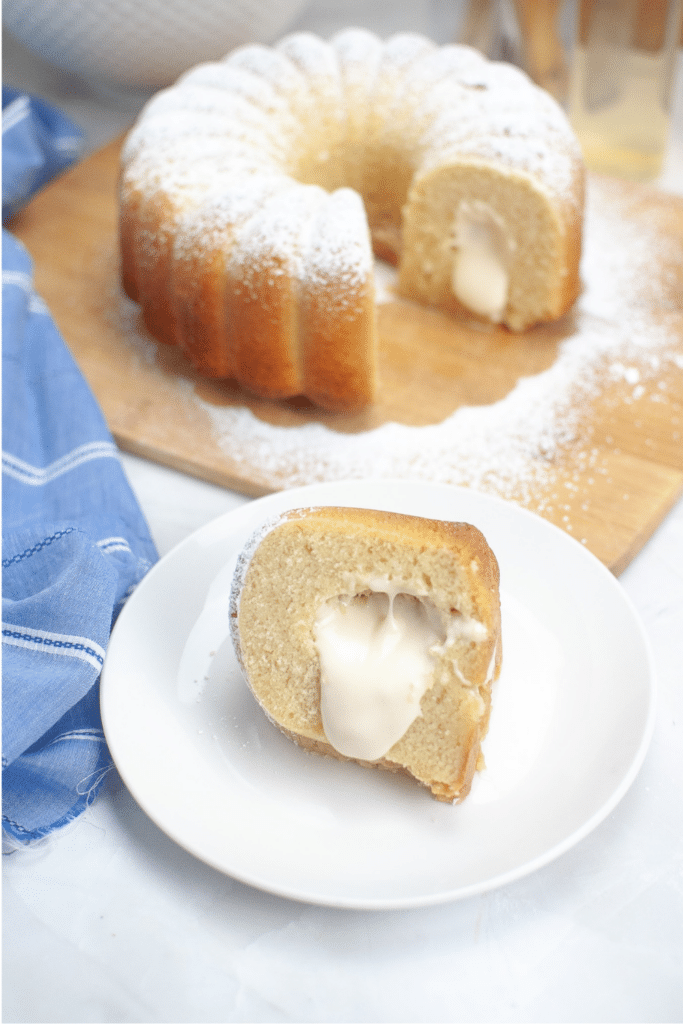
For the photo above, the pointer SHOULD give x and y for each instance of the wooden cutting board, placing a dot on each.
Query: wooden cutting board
(581, 421)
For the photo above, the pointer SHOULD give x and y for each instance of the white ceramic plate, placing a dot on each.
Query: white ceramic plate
(572, 717)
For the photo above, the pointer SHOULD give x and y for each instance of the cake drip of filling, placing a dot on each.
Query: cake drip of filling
(377, 661)
(481, 267)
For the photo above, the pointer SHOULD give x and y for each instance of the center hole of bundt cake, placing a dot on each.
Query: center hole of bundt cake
(376, 651)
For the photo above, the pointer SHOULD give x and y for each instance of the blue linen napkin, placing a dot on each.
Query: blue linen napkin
(38, 141)
(75, 542)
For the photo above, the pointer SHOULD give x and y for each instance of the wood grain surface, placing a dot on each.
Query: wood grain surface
(609, 469)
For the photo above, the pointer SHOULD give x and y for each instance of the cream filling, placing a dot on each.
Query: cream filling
(483, 250)
(377, 655)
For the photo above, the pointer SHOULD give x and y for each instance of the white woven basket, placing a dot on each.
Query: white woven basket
(142, 43)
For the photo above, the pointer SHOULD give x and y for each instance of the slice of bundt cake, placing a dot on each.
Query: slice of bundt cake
(374, 637)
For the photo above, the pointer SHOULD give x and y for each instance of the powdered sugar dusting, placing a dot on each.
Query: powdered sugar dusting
(518, 447)
(536, 439)
(272, 238)
(437, 99)
(633, 267)
(340, 248)
(506, 448)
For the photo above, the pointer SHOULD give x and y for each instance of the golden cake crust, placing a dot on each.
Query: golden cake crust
(253, 192)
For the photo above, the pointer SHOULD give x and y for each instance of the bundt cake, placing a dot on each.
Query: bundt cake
(374, 637)
(254, 191)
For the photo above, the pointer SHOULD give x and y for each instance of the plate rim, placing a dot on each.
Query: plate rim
(456, 893)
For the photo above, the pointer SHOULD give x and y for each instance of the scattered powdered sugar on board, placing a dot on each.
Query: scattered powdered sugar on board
(506, 448)
(386, 282)
(628, 329)
(535, 446)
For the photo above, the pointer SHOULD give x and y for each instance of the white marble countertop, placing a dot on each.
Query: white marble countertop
(110, 921)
